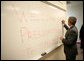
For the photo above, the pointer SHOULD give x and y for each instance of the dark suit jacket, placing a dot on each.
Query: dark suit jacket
(70, 47)
(81, 32)
(81, 36)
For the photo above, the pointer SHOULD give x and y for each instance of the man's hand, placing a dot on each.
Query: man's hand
(63, 21)
(61, 38)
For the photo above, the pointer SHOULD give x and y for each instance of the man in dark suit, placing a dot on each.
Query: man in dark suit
(70, 47)
(81, 36)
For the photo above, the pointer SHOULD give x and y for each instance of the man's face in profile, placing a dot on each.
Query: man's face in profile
(69, 23)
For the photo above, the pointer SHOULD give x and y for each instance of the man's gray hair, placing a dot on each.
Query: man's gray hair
(73, 20)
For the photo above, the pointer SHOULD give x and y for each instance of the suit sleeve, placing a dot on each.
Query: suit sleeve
(70, 39)
(66, 27)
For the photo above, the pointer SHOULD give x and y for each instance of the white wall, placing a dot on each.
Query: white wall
(77, 11)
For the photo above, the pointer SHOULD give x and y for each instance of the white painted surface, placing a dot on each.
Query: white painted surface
(29, 28)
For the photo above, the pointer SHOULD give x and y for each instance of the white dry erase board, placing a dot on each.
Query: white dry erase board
(29, 28)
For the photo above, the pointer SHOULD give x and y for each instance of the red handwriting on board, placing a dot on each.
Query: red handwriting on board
(27, 34)
(20, 18)
(24, 32)
(16, 12)
(29, 51)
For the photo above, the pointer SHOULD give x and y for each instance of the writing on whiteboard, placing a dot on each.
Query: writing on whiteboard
(27, 34)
